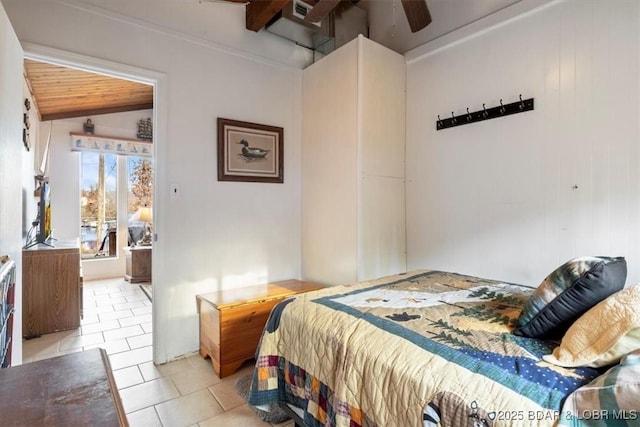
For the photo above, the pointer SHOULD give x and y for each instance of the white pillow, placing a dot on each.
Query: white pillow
(604, 334)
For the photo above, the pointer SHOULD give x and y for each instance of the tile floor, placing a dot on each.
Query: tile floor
(185, 392)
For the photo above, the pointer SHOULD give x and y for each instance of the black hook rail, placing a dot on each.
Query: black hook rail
(485, 114)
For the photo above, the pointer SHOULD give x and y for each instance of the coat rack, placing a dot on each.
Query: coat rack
(485, 114)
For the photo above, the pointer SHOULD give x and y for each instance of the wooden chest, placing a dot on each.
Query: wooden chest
(231, 321)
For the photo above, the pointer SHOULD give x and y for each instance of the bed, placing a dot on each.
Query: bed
(423, 348)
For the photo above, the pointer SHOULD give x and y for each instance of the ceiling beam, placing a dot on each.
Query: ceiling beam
(95, 111)
(261, 12)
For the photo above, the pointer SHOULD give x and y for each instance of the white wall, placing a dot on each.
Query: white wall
(29, 168)
(213, 235)
(330, 158)
(353, 164)
(11, 152)
(381, 168)
(495, 199)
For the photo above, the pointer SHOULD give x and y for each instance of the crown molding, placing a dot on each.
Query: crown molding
(481, 26)
(304, 57)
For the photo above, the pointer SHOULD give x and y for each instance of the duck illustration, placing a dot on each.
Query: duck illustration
(252, 152)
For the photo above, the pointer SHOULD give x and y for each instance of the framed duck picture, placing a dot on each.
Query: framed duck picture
(249, 152)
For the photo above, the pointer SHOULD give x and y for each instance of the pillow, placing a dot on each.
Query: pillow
(568, 292)
(610, 399)
(603, 334)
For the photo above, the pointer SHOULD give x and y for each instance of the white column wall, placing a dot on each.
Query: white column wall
(330, 176)
(381, 126)
(353, 164)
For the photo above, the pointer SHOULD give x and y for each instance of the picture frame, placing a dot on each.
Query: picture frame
(250, 152)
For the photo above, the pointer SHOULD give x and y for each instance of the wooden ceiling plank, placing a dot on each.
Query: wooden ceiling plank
(94, 88)
(71, 91)
(258, 13)
(63, 92)
(79, 100)
(39, 79)
(47, 108)
(52, 107)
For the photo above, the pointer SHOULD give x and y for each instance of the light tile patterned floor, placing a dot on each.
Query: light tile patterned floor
(183, 393)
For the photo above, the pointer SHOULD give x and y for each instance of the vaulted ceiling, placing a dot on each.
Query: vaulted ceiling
(62, 92)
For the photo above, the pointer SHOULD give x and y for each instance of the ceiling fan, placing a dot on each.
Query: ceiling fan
(260, 12)
(417, 13)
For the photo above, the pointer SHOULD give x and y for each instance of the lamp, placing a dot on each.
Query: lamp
(144, 214)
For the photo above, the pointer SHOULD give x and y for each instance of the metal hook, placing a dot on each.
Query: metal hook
(484, 111)
(453, 118)
(521, 103)
(502, 109)
(468, 115)
(439, 121)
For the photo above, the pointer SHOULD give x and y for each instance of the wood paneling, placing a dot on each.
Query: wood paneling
(62, 92)
(513, 198)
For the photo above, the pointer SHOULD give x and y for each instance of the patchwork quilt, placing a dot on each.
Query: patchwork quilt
(424, 348)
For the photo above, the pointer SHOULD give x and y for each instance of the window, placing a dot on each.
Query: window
(98, 188)
(140, 193)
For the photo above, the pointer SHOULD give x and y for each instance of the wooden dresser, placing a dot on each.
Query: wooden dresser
(231, 321)
(51, 289)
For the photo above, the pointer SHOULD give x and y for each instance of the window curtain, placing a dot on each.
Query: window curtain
(111, 145)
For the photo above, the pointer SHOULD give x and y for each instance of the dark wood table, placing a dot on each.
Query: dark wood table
(75, 389)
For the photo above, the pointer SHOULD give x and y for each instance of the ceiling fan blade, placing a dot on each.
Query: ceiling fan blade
(417, 14)
(320, 10)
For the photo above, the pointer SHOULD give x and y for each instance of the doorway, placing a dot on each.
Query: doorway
(158, 82)
(89, 123)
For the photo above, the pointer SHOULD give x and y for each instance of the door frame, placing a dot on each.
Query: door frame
(159, 82)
